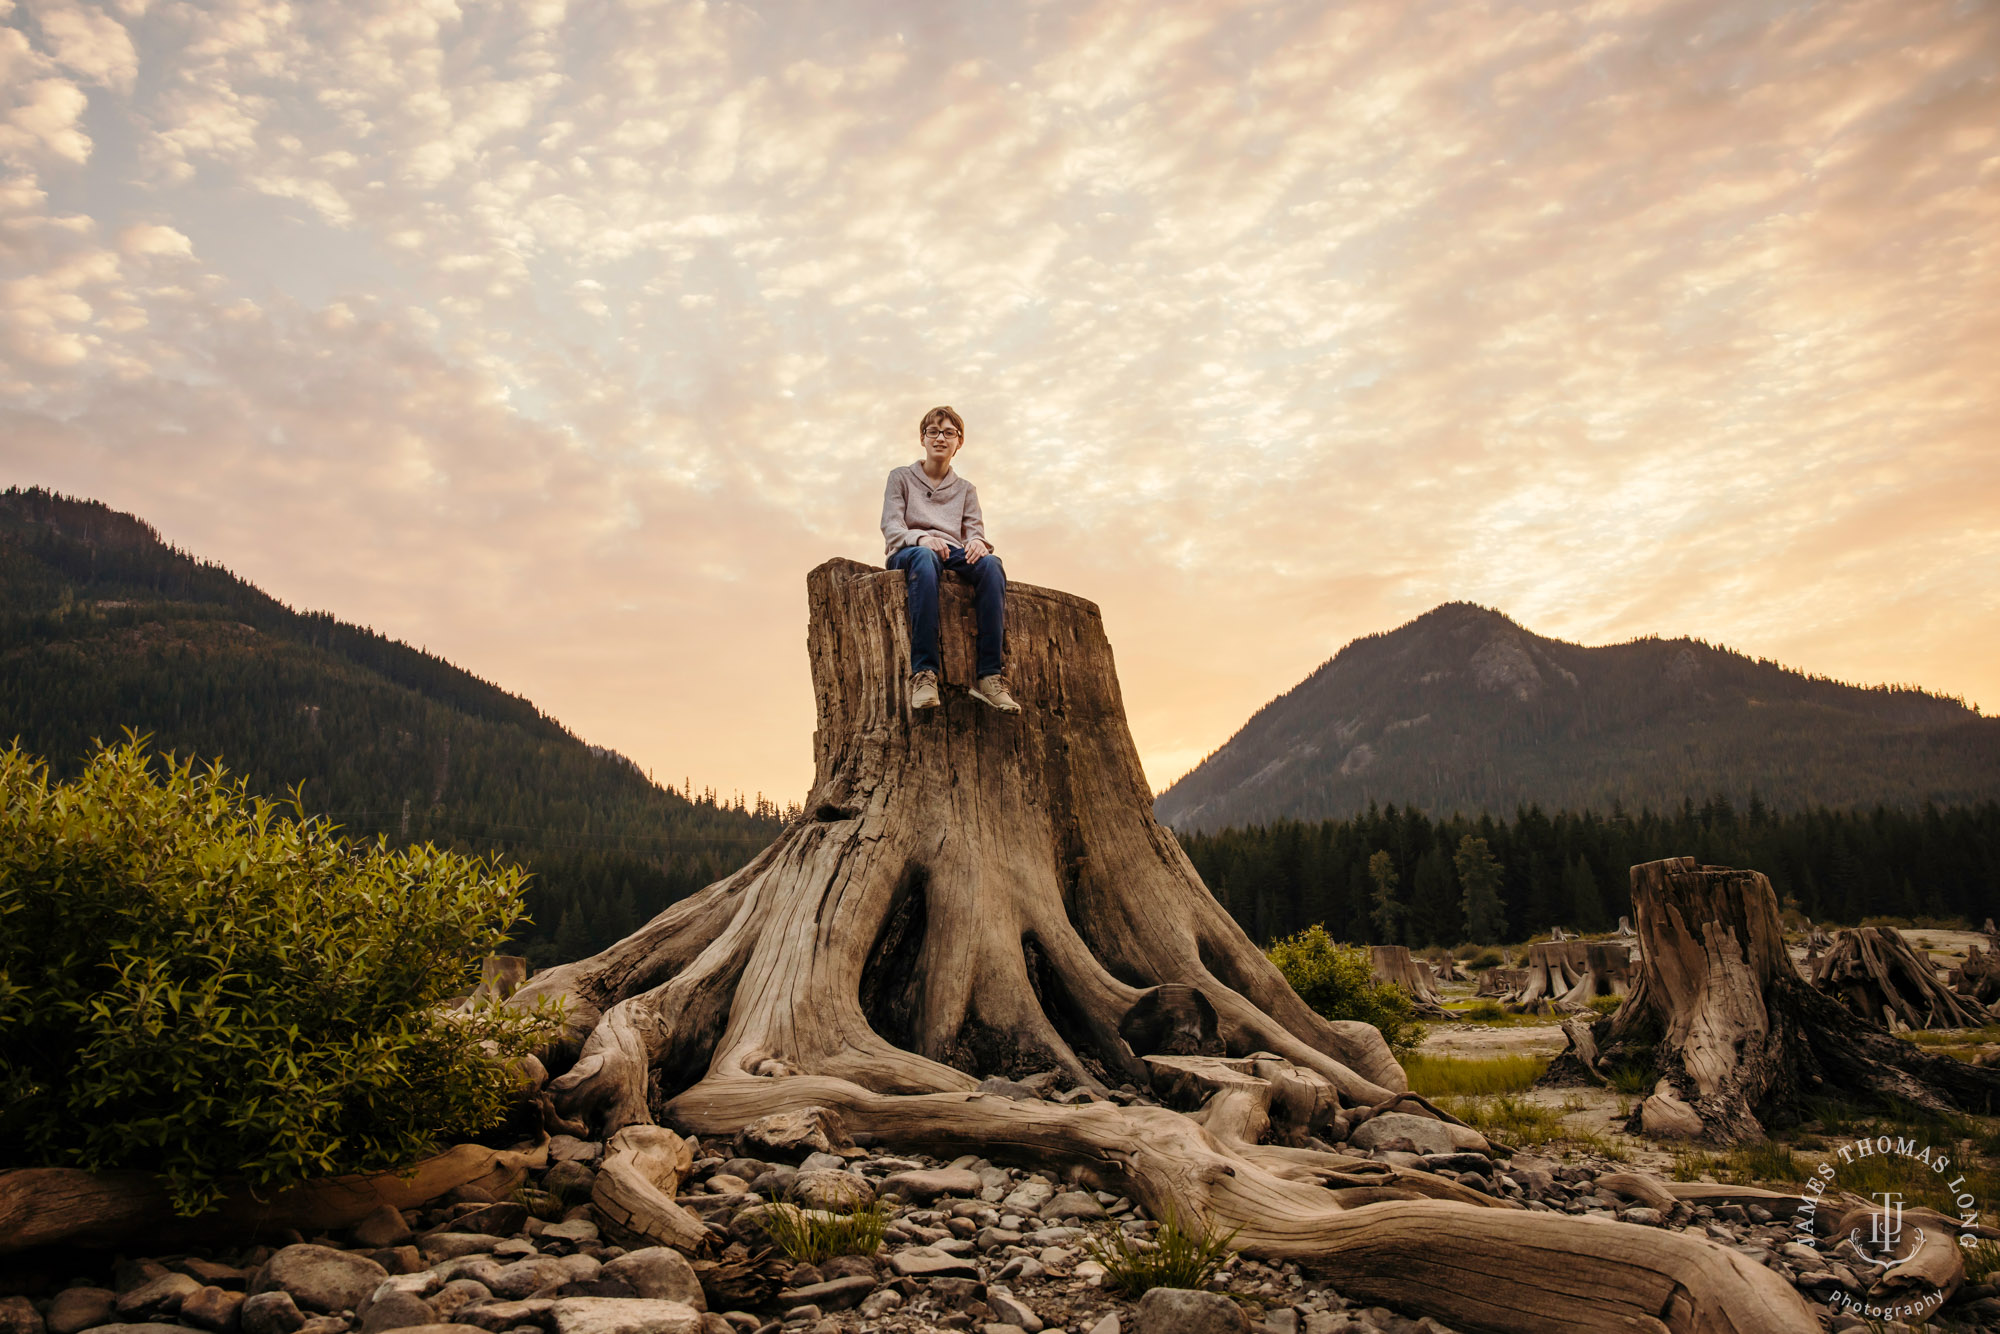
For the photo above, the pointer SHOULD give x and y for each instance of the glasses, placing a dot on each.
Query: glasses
(941, 433)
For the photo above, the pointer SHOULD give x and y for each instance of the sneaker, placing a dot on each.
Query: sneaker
(993, 689)
(923, 690)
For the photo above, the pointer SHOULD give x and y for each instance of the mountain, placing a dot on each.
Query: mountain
(1464, 710)
(105, 627)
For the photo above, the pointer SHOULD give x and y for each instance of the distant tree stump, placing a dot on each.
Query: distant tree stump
(1395, 965)
(1880, 976)
(1736, 1038)
(1978, 978)
(973, 894)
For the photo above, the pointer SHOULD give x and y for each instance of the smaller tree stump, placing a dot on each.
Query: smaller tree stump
(1395, 965)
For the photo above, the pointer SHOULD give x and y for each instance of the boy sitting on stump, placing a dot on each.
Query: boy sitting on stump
(931, 522)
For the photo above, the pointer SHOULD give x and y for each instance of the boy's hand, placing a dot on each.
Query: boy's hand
(933, 543)
(975, 549)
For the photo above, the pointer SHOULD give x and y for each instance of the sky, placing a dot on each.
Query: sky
(563, 337)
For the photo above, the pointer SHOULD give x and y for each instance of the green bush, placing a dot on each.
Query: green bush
(1485, 959)
(809, 1236)
(192, 983)
(1338, 982)
(1175, 1257)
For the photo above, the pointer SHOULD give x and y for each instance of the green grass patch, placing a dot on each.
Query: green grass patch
(1434, 1076)
(1175, 1257)
(1485, 1011)
(1509, 1119)
(808, 1236)
(1982, 1262)
(1632, 1080)
(1602, 1006)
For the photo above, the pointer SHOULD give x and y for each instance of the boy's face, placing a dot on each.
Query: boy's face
(941, 442)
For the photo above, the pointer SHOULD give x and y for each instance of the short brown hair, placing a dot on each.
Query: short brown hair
(936, 415)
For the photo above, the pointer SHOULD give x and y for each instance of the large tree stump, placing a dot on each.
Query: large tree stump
(1881, 977)
(1978, 978)
(971, 894)
(1554, 967)
(1736, 1038)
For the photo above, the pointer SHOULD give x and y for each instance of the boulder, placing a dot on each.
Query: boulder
(836, 1191)
(215, 1309)
(609, 1315)
(384, 1228)
(161, 1297)
(569, 1181)
(1073, 1204)
(19, 1316)
(1013, 1311)
(525, 1278)
(397, 1310)
(320, 1278)
(922, 1187)
(438, 1246)
(76, 1309)
(1427, 1134)
(790, 1136)
(659, 1273)
(270, 1313)
(1188, 1311)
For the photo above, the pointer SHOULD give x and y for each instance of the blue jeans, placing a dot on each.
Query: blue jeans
(989, 594)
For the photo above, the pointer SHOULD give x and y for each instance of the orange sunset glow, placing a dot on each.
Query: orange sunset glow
(562, 338)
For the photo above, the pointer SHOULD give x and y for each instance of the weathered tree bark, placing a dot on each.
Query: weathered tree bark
(1501, 982)
(1880, 977)
(1395, 965)
(1607, 971)
(1554, 967)
(1736, 1038)
(1979, 976)
(972, 894)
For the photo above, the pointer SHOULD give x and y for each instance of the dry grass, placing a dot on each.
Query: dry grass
(1436, 1076)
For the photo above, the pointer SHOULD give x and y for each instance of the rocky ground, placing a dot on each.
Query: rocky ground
(970, 1245)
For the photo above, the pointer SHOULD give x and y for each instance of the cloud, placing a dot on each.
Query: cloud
(1273, 324)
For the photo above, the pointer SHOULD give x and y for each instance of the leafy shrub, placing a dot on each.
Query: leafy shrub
(808, 1236)
(1484, 1012)
(1605, 1005)
(193, 984)
(1175, 1257)
(1632, 1079)
(1485, 959)
(1338, 982)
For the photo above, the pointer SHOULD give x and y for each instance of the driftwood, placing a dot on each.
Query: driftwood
(1395, 965)
(1879, 976)
(972, 894)
(41, 1206)
(1736, 1038)
(1978, 978)
(1501, 981)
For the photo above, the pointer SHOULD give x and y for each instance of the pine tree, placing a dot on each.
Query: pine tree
(1388, 911)
(1479, 872)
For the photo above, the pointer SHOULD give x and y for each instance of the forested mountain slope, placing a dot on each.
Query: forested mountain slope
(1463, 710)
(104, 627)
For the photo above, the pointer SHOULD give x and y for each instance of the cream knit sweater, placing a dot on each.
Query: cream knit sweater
(913, 505)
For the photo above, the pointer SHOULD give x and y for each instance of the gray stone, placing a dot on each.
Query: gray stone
(574, 1230)
(790, 1136)
(161, 1297)
(1459, 1162)
(610, 1315)
(270, 1313)
(836, 1294)
(1028, 1197)
(209, 1272)
(922, 1187)
(215, 1309)
(822, 1160)
(19, 1316)
(997, 1327)
(130, 1274)
(440, 1246)
(1009, 1088)
(456, 1295)
(1013, 1311)
(1073, 1204)
(1428, 1134)
(569, 1181)
(747, 1168)
(1284, 1320)
(659, 1273)
(1188, 1311)
(525, 1278)
(441, 1329)
(320, 1278)
(384, 1228)
(930, 1262)
(1643, 1216)
(398, 1310)
(503, 1219)
(142, 1329)
(724, 1184)
(1108, 1325)
(835, 1190)
(880, 1303)
(496, 1317)
(76, 1309)
(570, 1149)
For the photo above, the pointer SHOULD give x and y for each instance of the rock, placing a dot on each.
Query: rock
(790, 1136)
(437, 1247)
(748, 1169)
(130, 1274)
(1427, 1134)
(659, 1273)
(77, 1309)
(607, 1315)
(398, 1259)
(398, 1310)
(837, 1191)
(270, 1313)
(525, 1278)
(594, 1287)
(773, 1182)
(724, 1184)
(499, 1220)
(1284, 1320)
(822, 1160)
(1027, 1198)
(570, 1149)
(921, 1187)
(848, 1266)
(930, 1262)
(456, 1295)
(1074, 1204)
(497, 1317)
(1188, 1311)
(573, 1230)
(995, 1327)
(1459, 1162)
(384, 1228)
(1643, 1216)
(161, 1297)
(207, 1272)
(142, 1329)
(218, 1309)
(1088, 1270)
(1013, 1311)
(19, 1316)
(836, 1294)
(569, 1181)
(1666, 1116)
(320, 1278)
(880, 1303)
(1011, 1089)
(1108, 1325)
(441, 1329)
